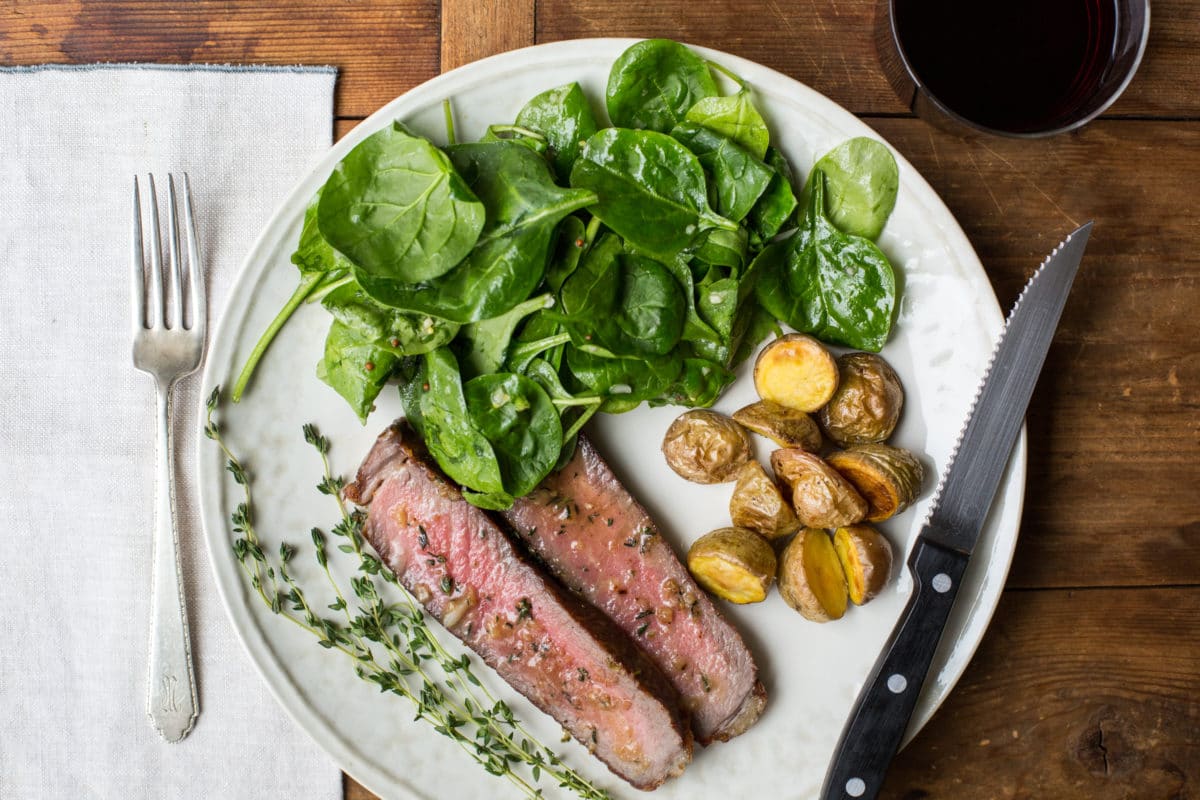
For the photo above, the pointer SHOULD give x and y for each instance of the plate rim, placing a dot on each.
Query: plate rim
(208, 460)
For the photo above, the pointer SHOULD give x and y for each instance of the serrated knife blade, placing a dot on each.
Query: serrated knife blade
(939, 557)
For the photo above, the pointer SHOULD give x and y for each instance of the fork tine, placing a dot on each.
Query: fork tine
(176, 265)
(138, 294)
(199, 300)
(154, 300)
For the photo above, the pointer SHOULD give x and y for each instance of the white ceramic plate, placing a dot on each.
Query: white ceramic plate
(947, 322)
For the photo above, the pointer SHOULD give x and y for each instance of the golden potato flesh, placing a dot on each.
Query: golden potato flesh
(733, 563)
(706, 447)
(821, 497)
(888, 478)
(758, 504)
(811, 578)
(796, 371)
(785, 426)
(866, 559)
(866, 406)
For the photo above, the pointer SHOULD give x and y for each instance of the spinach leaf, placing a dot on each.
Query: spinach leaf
(518, 418)
(650, 188)
(651, 307)
(315, 255)
(461, 449)
(399, 332)
(735, 117)
(698, 385)
(484, 344)
(355, 367)
(654, 83)
(837, 286)
(777, 204)
(413, 379)
(623, 382)
(540, 337)
(564, 116)
(515, 133)
(739, 178)
(524, 207)
(861, 182)
(722, 248)
(718, 300)
(757, 324)
(695, 330)
(320, 266)
(590, 292)
(568, 249)
(624, 303)
(396, 207)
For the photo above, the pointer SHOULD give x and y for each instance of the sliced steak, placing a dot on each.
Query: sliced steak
(566, 657)
(600, 542)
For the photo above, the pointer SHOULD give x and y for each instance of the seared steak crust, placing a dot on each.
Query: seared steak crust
(562, 654)
(599, 541)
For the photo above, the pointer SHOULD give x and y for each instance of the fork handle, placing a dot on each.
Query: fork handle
(171, 690)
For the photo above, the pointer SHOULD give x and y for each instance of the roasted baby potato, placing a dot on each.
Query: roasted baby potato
(785, 426)
(866, 406)
(821, 497)
(866, 559)
(796, 371)
(811, 578)
(706, 447)
(733, 563)
(758, 504)
(888, 478)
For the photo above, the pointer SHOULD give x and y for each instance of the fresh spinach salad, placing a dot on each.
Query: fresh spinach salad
(515, 286)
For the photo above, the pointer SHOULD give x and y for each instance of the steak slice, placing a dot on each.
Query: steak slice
(566, 657)
(599, 541)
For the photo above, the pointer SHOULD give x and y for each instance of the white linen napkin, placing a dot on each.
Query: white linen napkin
(77, 431)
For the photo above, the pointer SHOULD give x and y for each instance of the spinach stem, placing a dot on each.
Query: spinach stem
(528, 350)
(565, 402)
(308, 282)
(448, 113)
(517, 129)
(581, 421)
(589, 233)
(732, 76)
(319, 294)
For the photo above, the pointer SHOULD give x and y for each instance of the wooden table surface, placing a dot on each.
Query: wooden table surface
(1087, 684)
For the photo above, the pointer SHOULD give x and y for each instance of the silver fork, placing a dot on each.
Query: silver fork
(168, 346)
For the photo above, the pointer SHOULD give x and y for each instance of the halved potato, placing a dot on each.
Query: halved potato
(866, 406)
(866, 559)
(786, 427)
(811, 578)
(758, 504)
(733, 563)
(706, 447)
(821, 497)
(796, 371)
(888, 478)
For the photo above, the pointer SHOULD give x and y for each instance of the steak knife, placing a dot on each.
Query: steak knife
(939, 557)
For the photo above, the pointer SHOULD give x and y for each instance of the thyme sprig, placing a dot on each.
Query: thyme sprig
(390, 644)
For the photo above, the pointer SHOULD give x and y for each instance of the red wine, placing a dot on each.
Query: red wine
(1010, 65)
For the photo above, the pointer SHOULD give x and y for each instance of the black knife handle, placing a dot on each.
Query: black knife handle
(880, 716)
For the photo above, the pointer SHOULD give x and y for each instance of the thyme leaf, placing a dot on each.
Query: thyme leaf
(388, 641)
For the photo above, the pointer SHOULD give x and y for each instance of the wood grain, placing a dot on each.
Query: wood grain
(1114, 444)
(830, 44)
(475, 29)
(381, 48)
(1073, 694)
